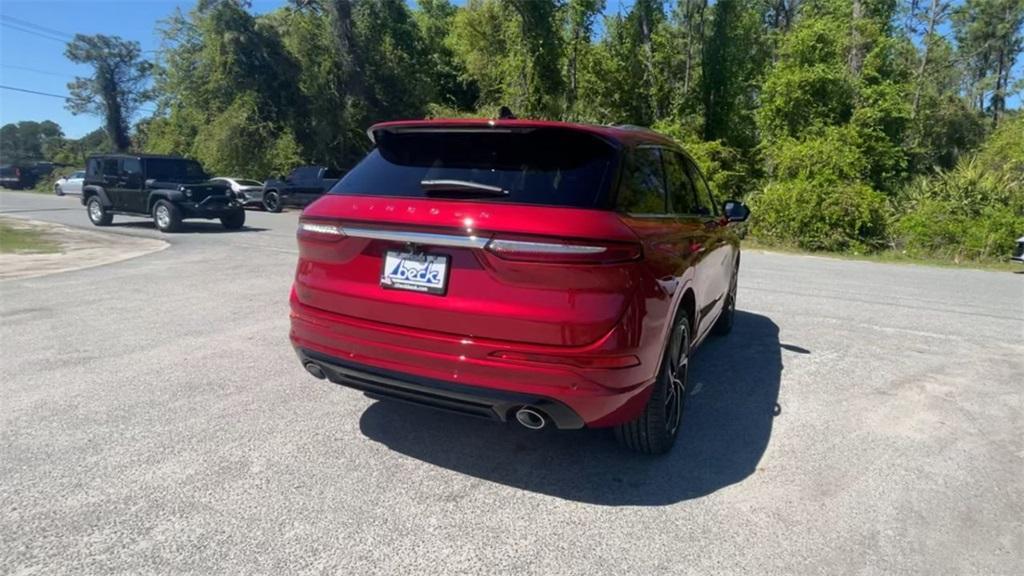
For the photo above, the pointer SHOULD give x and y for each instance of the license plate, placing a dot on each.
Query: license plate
(417, 272)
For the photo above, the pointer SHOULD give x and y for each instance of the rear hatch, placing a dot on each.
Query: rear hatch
(496, 232)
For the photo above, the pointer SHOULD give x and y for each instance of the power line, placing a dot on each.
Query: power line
(43, 32)
(30, 31)
(27, 91)
(36, 70)
(38, 27)
(52, 95)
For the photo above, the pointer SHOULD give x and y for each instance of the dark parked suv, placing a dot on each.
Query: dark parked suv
(167, 188)
(300, 187)
(548, 273)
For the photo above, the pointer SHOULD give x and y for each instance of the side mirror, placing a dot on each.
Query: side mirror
(735, 211)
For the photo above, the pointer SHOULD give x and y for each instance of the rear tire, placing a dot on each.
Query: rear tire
(234, 220)
(98, 215)
(272, 201)
(655, 430)
(166, 216)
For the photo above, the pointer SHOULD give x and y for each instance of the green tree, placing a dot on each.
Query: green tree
(453, 88)
(580, 16)
(228, 73)
(118, 86)
(988, 33)
(734, 59)
(29, 141)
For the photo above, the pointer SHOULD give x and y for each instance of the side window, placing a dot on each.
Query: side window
(305, 173)
(110, 167)
(705, 202)
(681, 195)
(132, 166)
(642, 190)
(331, 174)
(95, 167)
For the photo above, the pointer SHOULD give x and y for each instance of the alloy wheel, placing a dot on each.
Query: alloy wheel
(163, 216)
(675, 395)
(272, 202)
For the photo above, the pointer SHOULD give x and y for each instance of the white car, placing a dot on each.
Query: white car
(1018, 250)
(71, 184)
(247, 191)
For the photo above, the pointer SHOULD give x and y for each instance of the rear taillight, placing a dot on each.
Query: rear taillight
(320, 230)
(563, 252)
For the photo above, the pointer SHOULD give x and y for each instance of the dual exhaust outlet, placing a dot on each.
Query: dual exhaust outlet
(527, 416)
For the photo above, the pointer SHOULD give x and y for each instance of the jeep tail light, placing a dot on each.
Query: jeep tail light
(320, 230)
(563, 252)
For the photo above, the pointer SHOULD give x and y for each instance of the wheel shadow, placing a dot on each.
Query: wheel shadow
(727, 423)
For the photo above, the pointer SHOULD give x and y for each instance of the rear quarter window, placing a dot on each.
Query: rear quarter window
(642, 189)
(546, 166)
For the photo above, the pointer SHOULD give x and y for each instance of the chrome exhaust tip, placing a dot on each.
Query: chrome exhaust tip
(315, 370)
(530, 418)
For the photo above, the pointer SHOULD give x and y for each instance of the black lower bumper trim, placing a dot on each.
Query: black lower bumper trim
(470, 400)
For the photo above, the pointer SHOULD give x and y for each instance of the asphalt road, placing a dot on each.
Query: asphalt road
(861, 418)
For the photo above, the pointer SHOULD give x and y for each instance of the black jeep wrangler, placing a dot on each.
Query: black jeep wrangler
(166, 188)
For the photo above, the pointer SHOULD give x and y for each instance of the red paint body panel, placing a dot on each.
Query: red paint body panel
(494, 305)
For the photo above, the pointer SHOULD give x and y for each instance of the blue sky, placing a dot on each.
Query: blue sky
(32, 56)
(34, 59)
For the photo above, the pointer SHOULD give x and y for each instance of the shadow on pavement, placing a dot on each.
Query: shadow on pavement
(726, 427)
(190, 227)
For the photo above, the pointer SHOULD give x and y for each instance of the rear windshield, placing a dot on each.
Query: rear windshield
(550, 166)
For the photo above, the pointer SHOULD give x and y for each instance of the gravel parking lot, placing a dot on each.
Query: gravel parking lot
(861, 418)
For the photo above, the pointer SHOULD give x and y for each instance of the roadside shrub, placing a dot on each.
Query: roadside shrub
(937, 229)
(827, 155)
(974, 211)
(816, 216)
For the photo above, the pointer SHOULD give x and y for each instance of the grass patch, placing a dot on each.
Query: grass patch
(888, 257)
(21, 238)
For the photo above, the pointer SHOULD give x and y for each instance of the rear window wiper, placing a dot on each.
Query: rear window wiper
(461, 187)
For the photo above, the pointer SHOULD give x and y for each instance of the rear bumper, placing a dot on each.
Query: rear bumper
(458, 398)
(461, 374)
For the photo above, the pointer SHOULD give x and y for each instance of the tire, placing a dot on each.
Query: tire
(655, 430)
(166, 216)
(723, 325)
(272, 201)
(234, 220)
(98, 215)
(57, 190)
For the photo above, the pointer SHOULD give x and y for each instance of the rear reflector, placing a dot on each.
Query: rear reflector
(562, 252)
(592, 362)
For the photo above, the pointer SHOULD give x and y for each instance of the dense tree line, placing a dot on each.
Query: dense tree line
(847, 124)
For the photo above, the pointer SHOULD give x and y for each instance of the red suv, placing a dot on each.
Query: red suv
(548, 272)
